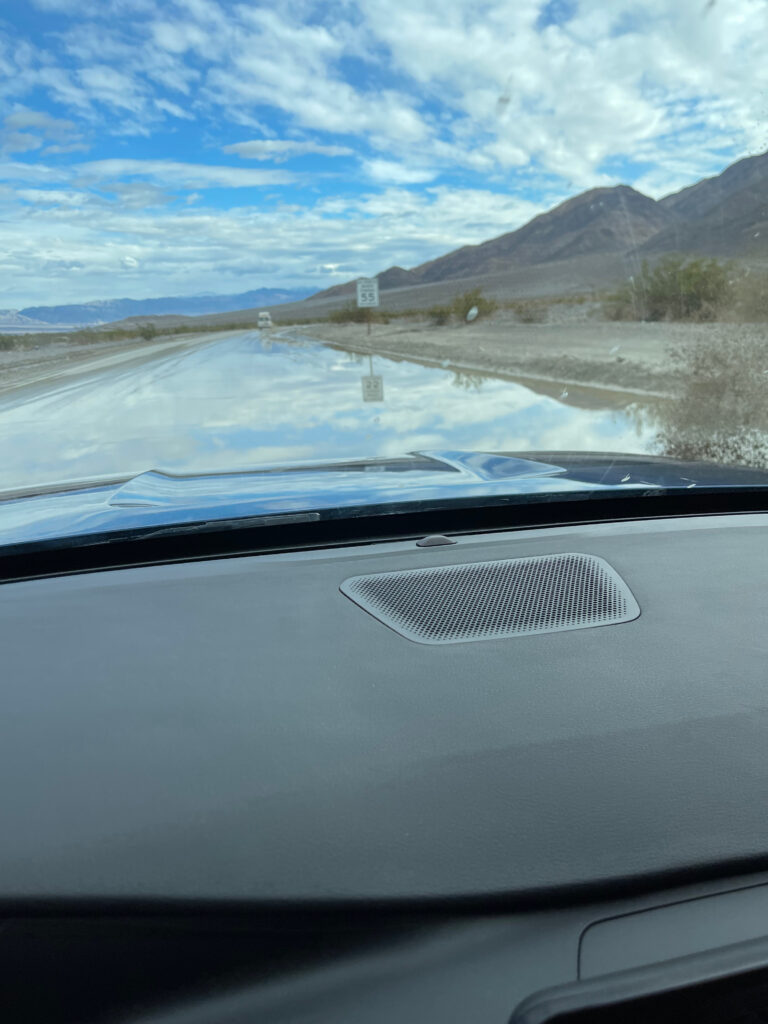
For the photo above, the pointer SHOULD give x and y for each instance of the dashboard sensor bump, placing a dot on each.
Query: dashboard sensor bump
(496, 600)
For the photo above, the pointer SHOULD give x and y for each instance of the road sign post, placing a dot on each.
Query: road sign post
(367, 296)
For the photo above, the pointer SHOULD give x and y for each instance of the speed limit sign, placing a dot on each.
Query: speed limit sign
(367, 292)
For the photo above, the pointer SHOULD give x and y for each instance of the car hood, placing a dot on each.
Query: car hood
(162, 499)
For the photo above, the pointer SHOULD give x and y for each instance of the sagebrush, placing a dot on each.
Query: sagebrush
(675, 288)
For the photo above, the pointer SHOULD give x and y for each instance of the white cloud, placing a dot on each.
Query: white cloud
(25, 130)
(173, 174)
(193, 248)
(113, 88)
(116, 175)
(56, 81)
(178, 37)
(26, 173)
(139, 195)
(52, 127)
(173, 109)
(476, 87)
(52, 197)
(572, 97)
(20, 142)
(283, 149)
(392, 173)
(69, 147)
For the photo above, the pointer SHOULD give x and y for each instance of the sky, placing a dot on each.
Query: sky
(183, 147)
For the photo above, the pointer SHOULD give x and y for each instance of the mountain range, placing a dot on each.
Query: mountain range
(108, 310)
(724, 216)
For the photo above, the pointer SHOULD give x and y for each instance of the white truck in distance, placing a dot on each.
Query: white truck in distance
(264, 320)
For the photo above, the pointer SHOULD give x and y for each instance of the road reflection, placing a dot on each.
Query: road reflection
(245, 401)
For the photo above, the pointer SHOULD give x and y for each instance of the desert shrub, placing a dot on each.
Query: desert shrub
(348, 314)
(624, 303)
(440, 315)
(352, 314)
(467, 381)
(528, 311)
(461, 304)
(675, 288)
(750, 297)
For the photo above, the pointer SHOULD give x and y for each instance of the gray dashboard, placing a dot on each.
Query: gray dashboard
(239, 729)
(559, 806)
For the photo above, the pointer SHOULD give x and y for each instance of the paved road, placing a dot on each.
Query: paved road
(46, 370)
(247, 399)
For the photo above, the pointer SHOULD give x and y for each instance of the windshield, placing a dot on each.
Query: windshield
(243, 236)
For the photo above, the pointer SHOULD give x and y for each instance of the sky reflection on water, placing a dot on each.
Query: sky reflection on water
(244, 401)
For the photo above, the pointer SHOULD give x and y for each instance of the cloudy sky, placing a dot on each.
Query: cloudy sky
(164, 147)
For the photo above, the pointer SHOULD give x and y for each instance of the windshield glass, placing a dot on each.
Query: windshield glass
(248, 236)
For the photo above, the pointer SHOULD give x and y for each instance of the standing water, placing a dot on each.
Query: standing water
(243, 401)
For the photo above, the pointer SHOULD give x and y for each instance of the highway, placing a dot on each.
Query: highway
(247, 399)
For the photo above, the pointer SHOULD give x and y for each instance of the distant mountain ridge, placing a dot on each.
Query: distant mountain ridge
(699, 200)
(723, 216)
(109, 310)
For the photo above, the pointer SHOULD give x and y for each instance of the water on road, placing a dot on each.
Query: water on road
(248, 400)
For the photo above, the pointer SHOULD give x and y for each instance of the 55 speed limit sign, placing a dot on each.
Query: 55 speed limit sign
(367, 292)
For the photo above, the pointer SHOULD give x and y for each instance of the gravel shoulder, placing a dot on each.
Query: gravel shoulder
(627, 357)
(53, 360)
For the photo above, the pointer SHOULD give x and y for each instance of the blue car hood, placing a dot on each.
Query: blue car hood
(308, 490)
(162, 499)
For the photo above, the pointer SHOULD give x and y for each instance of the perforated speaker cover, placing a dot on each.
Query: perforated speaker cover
(494, 600)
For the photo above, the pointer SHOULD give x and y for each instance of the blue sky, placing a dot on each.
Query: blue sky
(157, 147)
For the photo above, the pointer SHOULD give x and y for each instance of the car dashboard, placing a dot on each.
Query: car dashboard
(235, 791)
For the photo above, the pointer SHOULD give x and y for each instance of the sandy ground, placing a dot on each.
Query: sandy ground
(631, 357)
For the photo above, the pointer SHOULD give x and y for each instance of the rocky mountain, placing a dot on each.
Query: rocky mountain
(106, 311)
(603, 220)
(723, 216)
(700, 200)
(13, 318)
(395, 277)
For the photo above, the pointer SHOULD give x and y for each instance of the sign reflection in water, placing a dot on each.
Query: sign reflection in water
(242, 402)
(373, 384)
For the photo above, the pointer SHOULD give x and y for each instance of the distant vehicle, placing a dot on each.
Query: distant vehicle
(265, 320)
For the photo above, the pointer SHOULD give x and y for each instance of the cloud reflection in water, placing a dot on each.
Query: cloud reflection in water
(241, 403)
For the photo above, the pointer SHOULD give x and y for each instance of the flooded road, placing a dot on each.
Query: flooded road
(247, 400)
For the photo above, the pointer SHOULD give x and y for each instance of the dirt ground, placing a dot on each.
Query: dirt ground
(631, 357)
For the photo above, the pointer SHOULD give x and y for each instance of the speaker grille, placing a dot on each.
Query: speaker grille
(494, 600)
